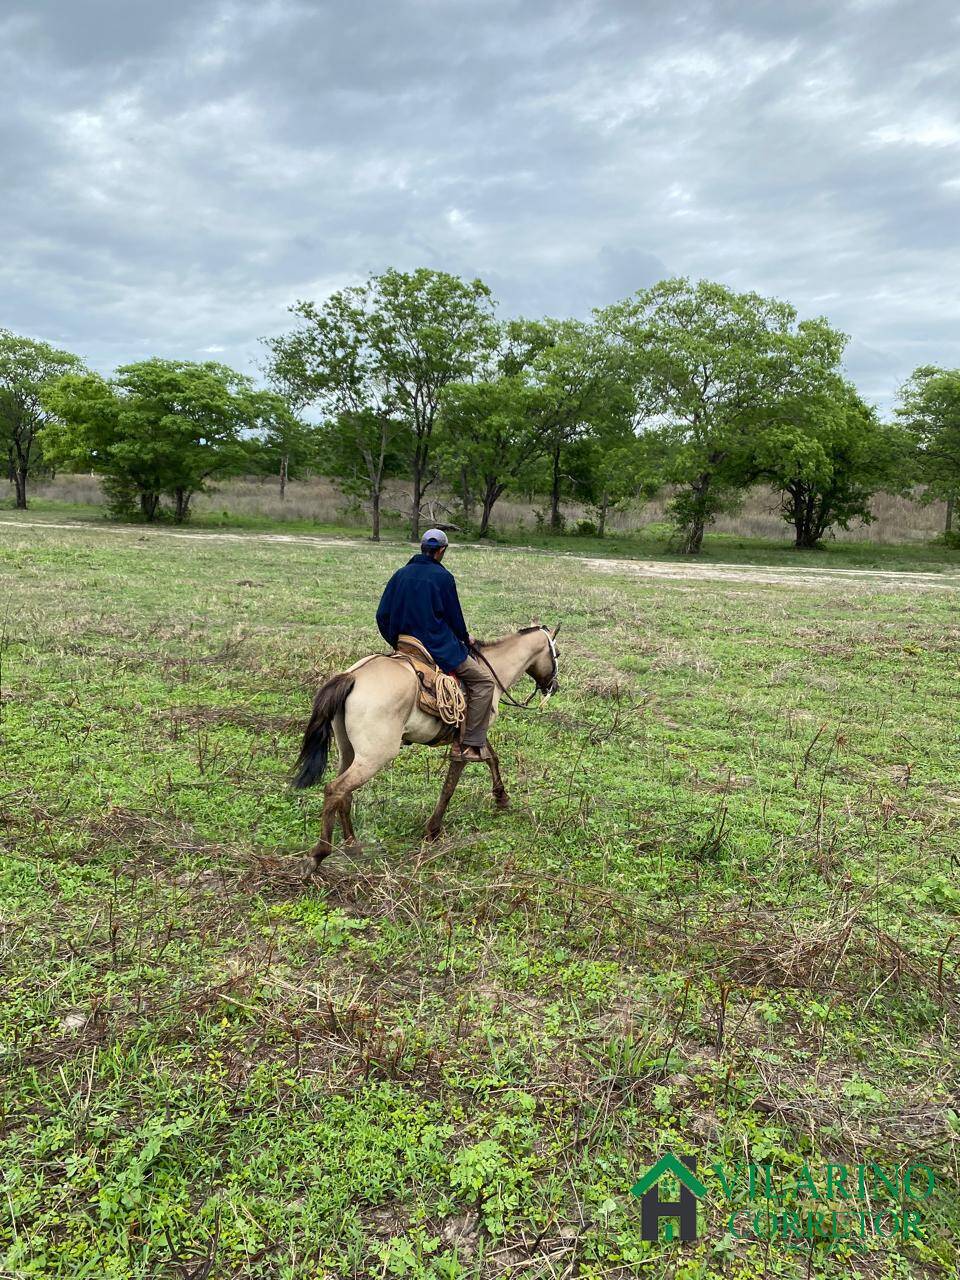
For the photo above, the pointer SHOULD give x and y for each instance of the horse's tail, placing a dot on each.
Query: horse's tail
(316, 739)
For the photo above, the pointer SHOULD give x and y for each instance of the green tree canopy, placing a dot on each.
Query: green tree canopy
(26, 368)
(375, 359)
(713, 366)
(285, 445)
(361, 452)
(330, 362)
(828, 454)
(159, 427)
(491, 434)
(582, 380)
(930, 410)
(617, 468)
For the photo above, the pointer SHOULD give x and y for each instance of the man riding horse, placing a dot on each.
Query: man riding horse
(374, 708)
(421, 600)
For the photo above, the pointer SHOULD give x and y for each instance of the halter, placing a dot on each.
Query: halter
(553, 652)
(544, 689)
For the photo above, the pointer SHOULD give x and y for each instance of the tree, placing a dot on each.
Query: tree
(331, 362)
(491, 432)
(713, 365)
(431, 329)
(581, 378)
(159, 427)
(376, 358)
(26, 367)
(828, 455)
(615, 468)
(930, 409)
(361, 451)
(286, 446)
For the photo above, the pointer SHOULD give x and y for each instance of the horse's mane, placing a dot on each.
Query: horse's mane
(521, 631)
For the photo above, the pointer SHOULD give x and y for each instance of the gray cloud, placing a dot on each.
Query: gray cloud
(176, 175)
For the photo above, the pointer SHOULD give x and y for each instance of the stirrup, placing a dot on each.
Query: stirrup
(457, 750)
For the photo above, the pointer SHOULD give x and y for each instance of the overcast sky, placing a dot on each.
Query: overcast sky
(175, 174)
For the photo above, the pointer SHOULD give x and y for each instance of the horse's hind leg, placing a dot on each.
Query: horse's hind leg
(346, 753)
(501, 799)
(337, 796)
(324, 846)
(369, 736)
(349, 835)
(345, 750)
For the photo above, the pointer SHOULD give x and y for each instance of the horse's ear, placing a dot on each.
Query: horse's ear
(556, 629)
(535, 622)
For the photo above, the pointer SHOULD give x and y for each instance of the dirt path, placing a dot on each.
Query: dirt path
(747, 573)
(801, 576)
(144, 532)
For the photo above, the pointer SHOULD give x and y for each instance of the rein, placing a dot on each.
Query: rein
(525, 705)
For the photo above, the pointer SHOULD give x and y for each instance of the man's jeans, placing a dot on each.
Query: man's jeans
(479, 687)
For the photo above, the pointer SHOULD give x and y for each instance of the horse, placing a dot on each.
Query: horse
(372, 710)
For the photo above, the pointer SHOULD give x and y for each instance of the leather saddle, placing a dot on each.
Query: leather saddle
(438, 693)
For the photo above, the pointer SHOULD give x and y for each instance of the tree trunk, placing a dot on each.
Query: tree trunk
(693, 539)
(489, 498)
(148, 505)
(284, 465)
(555, 521)
(809, 528)
(948, 522)
(602, 524)
(183, 505)
(19, 455)
(466, 497)
(417, 499)
(375, 515)
(799, 524)
(695, 519)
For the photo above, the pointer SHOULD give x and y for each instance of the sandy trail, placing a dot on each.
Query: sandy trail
(746, 573)
(801, 576)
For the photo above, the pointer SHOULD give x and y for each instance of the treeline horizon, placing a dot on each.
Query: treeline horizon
(684, 386)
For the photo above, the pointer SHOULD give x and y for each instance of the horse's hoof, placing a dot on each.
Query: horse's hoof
(502, 801)
(432, 833)
(316, 857)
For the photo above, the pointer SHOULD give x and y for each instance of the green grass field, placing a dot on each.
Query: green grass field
(721, 918)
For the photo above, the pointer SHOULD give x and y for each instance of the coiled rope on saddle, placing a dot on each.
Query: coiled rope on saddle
(439, 694)
(451, 700)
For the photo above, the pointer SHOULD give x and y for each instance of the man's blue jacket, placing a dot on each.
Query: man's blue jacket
(421, 600)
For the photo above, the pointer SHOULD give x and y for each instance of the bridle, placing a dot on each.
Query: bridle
(551, 684)
(545, 688)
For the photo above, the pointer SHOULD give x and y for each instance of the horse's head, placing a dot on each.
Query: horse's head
(544, 666)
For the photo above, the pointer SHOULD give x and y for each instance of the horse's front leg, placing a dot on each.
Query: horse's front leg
(500, 797)
(449, 787)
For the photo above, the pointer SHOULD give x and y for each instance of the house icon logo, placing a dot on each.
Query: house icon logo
(684, 1209)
